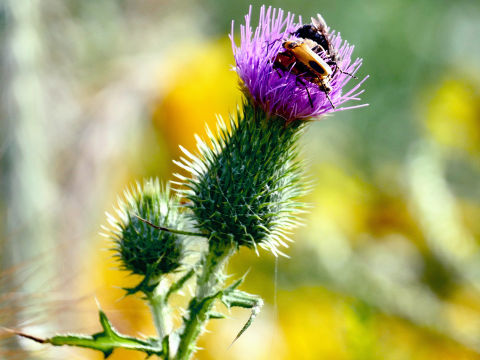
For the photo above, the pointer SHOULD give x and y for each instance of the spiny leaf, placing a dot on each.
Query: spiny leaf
(215, 315)
(242, 299)
(238, 298)
(232, 297)
(236, 284)
(179, 284)
(106, 341)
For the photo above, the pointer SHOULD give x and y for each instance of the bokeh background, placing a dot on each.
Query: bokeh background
(98, 94)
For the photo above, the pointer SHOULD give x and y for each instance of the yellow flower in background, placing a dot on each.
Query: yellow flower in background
(357, 207)
(204, 85)
(453, 115)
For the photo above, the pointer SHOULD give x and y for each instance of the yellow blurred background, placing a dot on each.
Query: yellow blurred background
(96, 95)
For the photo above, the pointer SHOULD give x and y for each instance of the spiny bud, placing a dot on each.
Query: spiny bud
(244, 187)
(142, 249)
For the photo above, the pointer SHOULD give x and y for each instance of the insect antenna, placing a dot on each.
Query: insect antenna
(271, 43)
(345, 72)
(337, 68)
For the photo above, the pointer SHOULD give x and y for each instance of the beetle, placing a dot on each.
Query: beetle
(287, 62)
(301, 60)
(317, 32)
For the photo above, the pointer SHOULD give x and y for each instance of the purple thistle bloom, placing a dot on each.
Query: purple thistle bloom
(282, 93)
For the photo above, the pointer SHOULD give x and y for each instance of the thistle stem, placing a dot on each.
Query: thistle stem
(159, 314)
(158, 306)
(208, 285)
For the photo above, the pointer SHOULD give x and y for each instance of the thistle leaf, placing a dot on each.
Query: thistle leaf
(245, 300)
(106, 341)
(239, 298)
(179, 284)
(216, 315)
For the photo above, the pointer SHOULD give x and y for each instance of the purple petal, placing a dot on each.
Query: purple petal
(281, 93)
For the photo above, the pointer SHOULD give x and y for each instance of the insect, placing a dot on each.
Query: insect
(301, 60)
(317, 32)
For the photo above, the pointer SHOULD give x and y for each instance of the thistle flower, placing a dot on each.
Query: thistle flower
(242, 190)
(140, 248)
(287, 94)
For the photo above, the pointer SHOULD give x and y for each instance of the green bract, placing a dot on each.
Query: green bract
(142, 249)
(244, 187)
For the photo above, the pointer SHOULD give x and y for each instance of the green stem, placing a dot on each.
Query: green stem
(157, 300)
(159, 310)
(212, 276)
(208, 285)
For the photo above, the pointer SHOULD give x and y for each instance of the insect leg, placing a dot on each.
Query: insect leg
(309, 97)
(324, 89)
(336, 68)
(301, 82)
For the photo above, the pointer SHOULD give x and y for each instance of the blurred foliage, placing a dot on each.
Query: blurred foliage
(97, 94)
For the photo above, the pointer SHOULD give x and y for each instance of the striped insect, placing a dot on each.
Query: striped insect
(298, 58)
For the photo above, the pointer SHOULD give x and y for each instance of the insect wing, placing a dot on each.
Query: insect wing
(320, 24)
(308, 57)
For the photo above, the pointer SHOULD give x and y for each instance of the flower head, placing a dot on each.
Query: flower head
(292, 92)
(140, 248)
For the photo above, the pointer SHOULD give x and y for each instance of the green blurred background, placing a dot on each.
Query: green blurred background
(98, 94)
